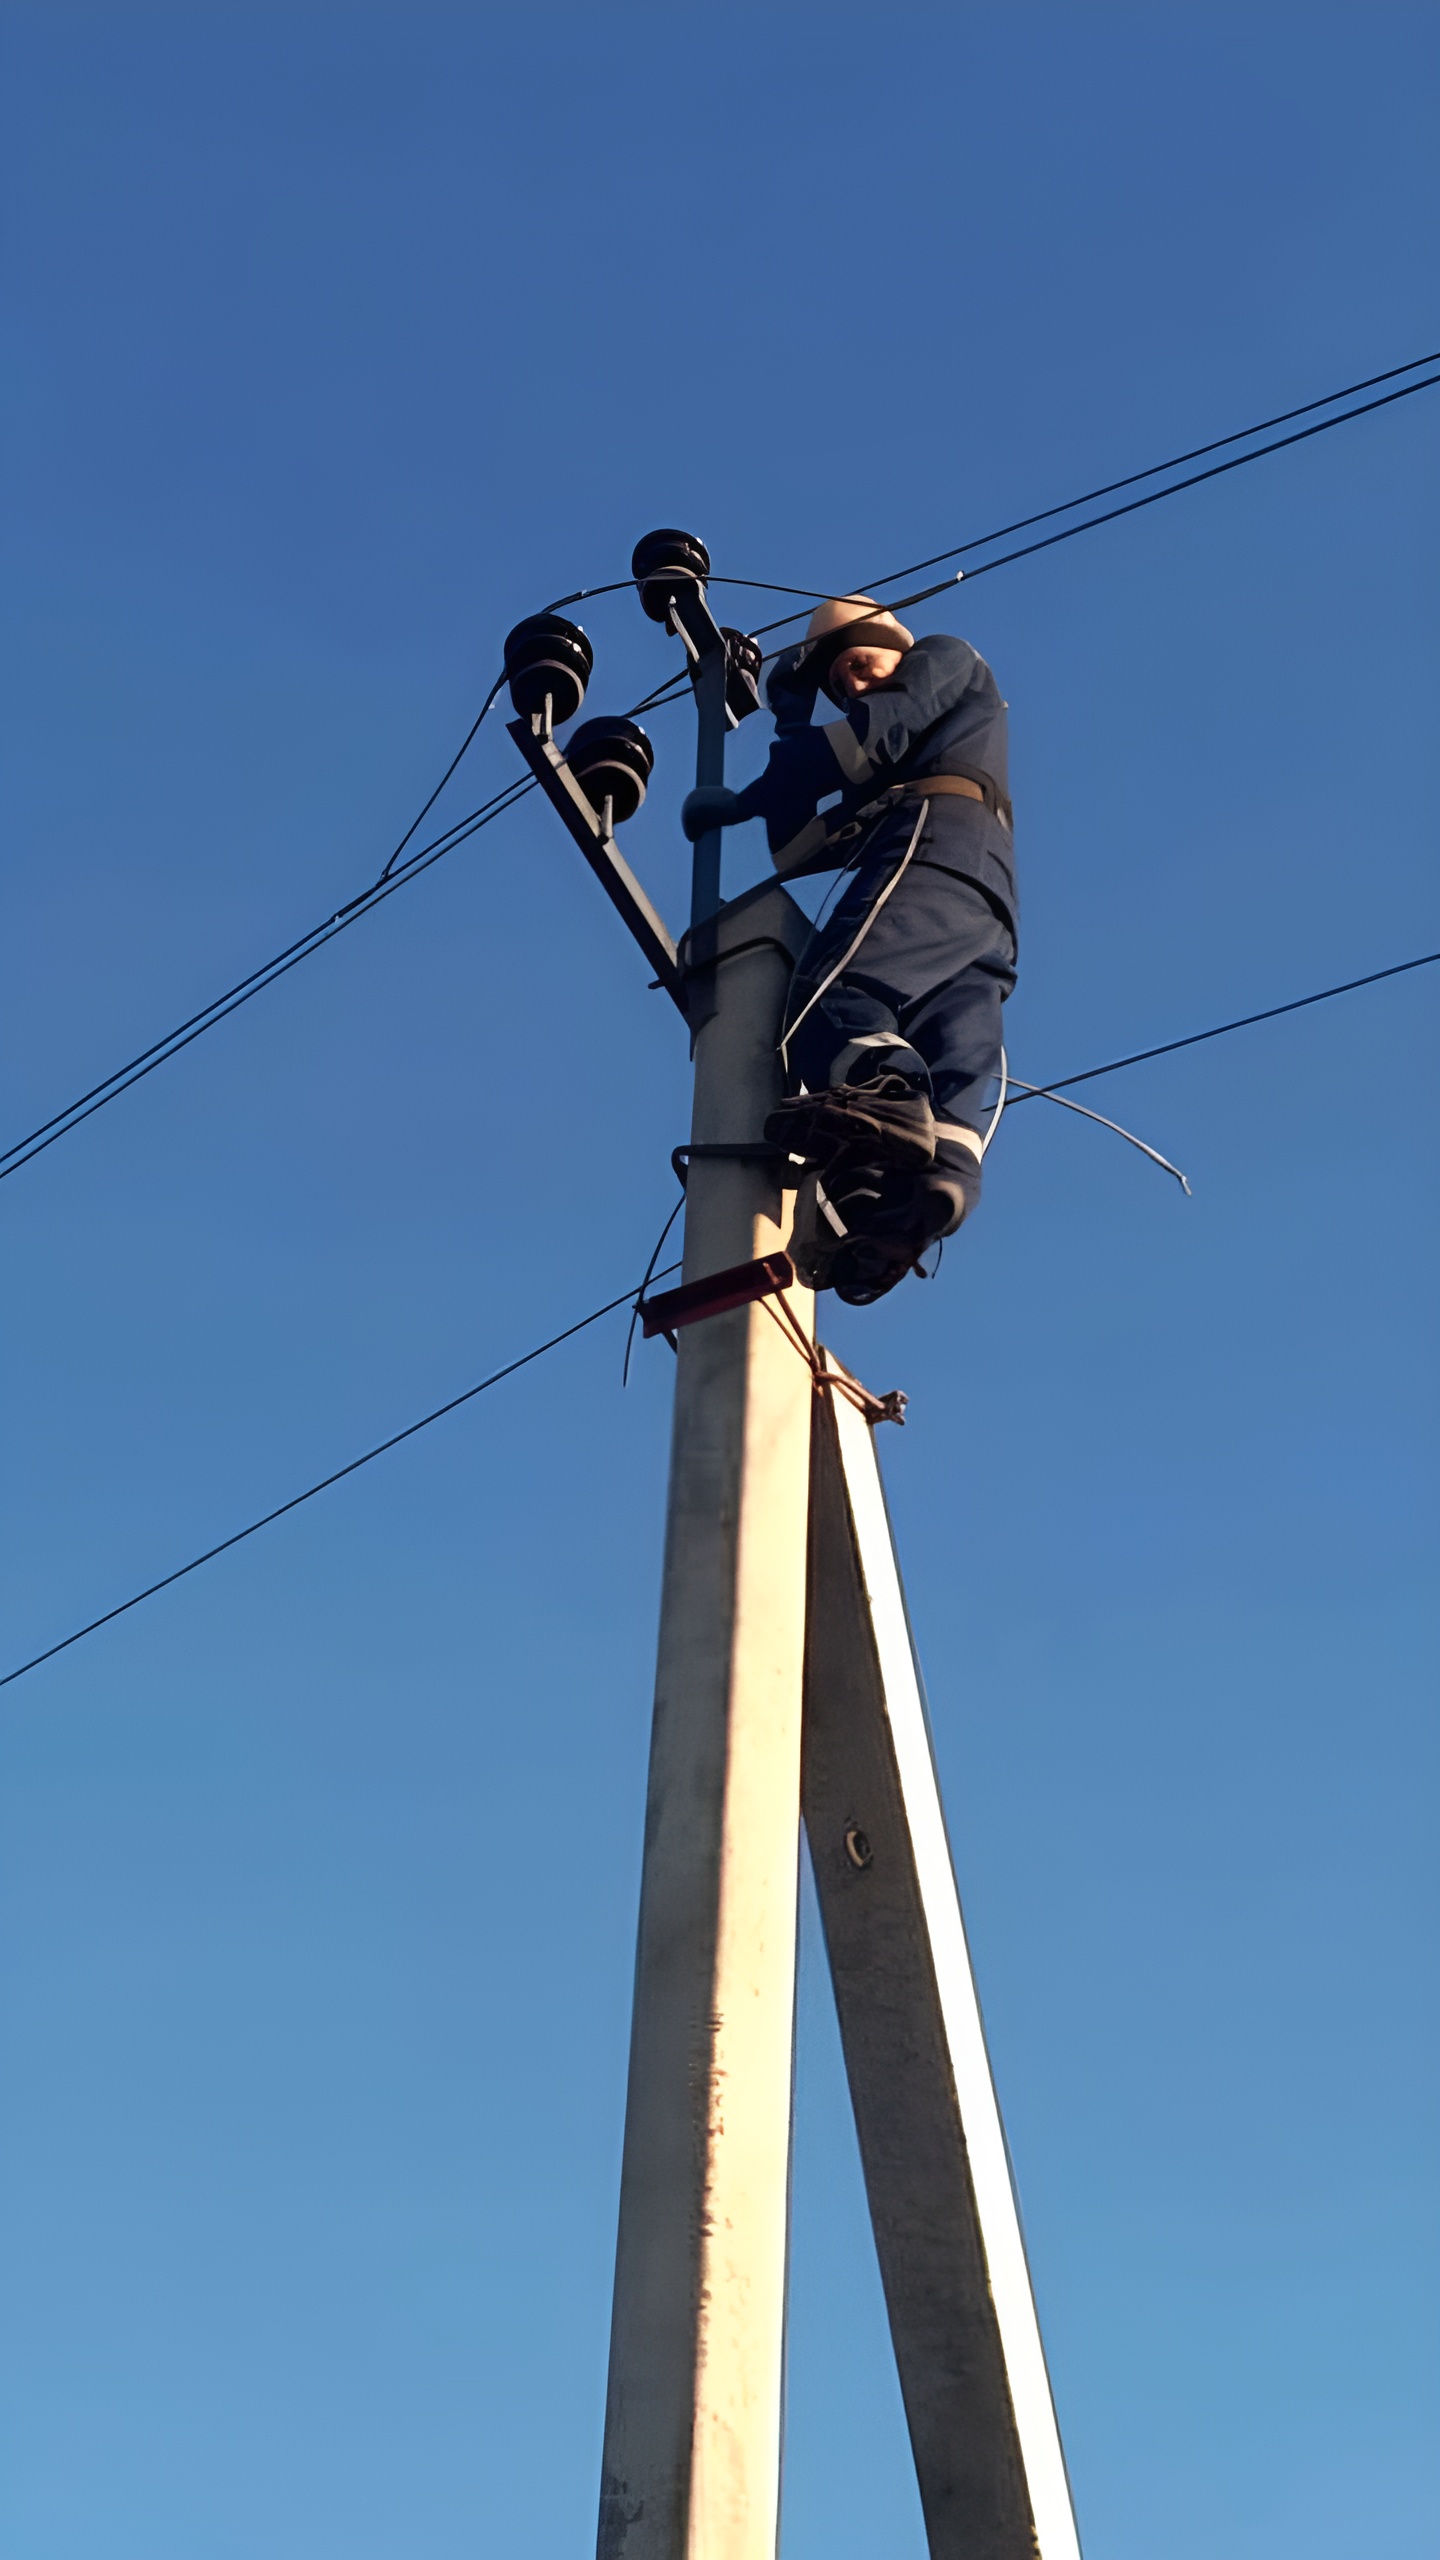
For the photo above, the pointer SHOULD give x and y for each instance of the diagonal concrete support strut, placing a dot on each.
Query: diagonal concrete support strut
(947, 2228)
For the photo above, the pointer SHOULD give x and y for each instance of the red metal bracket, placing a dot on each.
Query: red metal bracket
(715, 1295)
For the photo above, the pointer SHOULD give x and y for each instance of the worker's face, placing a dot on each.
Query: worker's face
(858, 671)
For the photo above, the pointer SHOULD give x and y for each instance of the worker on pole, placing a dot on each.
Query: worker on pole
(892, 1030)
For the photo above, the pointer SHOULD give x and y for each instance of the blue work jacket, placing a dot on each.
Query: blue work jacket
(940, 712)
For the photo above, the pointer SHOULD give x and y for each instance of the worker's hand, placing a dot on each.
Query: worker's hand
(790, 692)
(711, 806)
(801, 772)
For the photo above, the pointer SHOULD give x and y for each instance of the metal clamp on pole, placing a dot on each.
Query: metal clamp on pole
(716, 1294)
(734, 1151)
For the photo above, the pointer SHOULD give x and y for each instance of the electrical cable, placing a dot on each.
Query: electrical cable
(238, 1536)
(644, 1285)
(1152, 498)
(122, 1078)
(1261, 427)
(1021, 524)
(1217, 1030)
(1028, 1093)
(466, 743)
(673, 689)
(146, 1061)
(616, 587)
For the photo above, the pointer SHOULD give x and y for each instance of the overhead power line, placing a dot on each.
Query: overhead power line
(135, 1069)
(238, 1536)
(628, 1297)
(1152, 498)
(1217, 1030)
(147, 1060)
(396, 872)
(1192, 480)
(1241, 435)
(1110, 515)
(461, 751)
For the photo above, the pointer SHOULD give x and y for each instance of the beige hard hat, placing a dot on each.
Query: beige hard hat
(850, 622)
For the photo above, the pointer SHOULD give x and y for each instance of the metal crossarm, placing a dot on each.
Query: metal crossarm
(547, 763)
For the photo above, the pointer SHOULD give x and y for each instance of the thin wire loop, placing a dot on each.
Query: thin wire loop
(1128, 1134)
(644, 1285)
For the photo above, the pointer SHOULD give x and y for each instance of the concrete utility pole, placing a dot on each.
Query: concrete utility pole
(692, 2427)
(785, 1668)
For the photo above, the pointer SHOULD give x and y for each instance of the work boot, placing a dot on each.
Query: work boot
(894, 1220)
(956, 1165)
(888, 1234)
(862, 1223)
(830, 1207)
(889, 1118)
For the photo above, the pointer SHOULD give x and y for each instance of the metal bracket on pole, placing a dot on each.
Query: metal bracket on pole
(693, 622)
(768, 1276)
(547, 763)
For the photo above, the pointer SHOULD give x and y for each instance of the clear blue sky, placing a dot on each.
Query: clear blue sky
(341, 337)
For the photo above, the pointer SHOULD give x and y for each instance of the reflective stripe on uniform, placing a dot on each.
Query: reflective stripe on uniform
(811, 837)
(959, 1136)
(850, 756)
(854, 1049)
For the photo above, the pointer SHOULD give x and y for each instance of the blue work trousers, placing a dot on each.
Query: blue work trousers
(933, 969)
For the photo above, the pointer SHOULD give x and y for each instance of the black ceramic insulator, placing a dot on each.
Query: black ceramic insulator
(611, 760)
(548, 655)
(663, 560)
